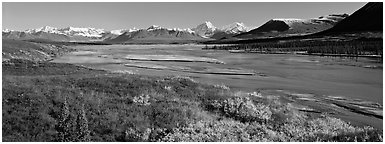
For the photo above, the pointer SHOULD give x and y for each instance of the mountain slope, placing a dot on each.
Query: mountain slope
(290, 27)
(367, 18)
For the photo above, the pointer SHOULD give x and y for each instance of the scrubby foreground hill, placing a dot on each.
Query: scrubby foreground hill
(16, 49)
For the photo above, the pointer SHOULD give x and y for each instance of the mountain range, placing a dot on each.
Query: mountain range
(367, 18)
(71, 34)
(154, 33)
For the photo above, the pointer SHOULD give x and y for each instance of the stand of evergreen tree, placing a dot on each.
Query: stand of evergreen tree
(72, 128)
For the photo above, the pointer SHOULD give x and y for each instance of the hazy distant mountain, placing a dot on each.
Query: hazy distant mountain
(291, 27)
(155, 34)
(62, 34)
(367, 18)
(35, 36)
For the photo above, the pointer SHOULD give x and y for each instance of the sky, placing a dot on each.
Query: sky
(125, 15)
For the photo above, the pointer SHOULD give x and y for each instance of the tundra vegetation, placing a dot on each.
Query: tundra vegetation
(45, 101)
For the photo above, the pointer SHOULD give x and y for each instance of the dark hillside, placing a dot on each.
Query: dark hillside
(367, 18)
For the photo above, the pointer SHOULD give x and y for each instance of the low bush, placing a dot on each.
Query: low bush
(243, 109)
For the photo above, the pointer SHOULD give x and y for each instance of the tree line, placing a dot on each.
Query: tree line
(344, 48)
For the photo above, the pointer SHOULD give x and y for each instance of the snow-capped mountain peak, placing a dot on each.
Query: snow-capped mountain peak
(205, 29)
(7, 30)
(154, 27)
(234, 28)
(209, 24)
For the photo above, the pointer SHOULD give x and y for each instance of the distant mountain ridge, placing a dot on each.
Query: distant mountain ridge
(154, 32)
(70, 31)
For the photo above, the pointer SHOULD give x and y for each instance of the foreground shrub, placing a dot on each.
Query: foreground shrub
(328, 129)
(243, 109)
(142, 99)
(216, 131)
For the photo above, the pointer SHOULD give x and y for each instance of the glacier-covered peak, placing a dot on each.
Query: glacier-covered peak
(209, 24)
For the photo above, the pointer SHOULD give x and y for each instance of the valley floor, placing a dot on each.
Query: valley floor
(108, 95)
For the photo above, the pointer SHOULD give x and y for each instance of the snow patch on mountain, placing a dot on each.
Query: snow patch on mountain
(188, 30)
(291, 21)
(118, 32)
(121, 31)
(7, 30)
